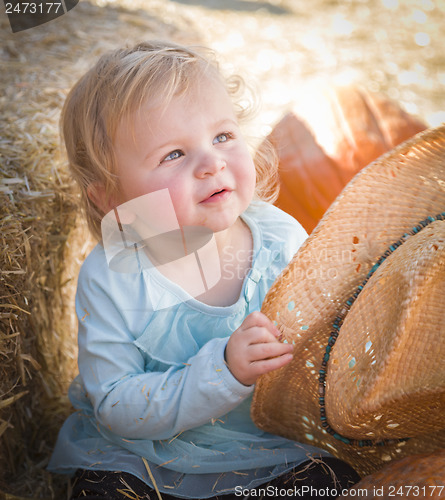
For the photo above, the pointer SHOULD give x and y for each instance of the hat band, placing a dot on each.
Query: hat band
(336, 330)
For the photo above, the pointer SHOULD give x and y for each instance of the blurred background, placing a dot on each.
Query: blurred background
(391, 46)
(283, 48)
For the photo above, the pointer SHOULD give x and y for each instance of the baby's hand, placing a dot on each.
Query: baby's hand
(253, 349)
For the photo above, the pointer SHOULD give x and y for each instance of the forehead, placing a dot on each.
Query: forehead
(207, 98)
(204, 96)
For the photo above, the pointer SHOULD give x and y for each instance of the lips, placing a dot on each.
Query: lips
(217, 195)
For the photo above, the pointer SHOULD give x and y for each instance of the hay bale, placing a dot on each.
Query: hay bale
(38, 210)
(43, 241)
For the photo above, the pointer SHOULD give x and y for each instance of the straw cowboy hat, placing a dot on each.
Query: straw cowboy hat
(363, 303)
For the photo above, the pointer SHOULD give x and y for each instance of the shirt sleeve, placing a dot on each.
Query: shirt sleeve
(133, 402)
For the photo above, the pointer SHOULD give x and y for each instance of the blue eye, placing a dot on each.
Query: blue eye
(174, 155)
(222, 137)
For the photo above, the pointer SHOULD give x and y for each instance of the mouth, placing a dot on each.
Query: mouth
(219, 195)
(217, 192)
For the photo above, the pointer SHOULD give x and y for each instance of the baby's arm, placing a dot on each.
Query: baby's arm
(134, 403)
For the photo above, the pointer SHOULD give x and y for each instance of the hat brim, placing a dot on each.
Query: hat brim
(381, 203)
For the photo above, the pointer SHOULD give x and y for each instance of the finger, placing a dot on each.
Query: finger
(268, 350)
(257, 318)
(268, 365)
(259, 335)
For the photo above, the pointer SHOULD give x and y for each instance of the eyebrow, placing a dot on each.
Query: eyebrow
(225, 120)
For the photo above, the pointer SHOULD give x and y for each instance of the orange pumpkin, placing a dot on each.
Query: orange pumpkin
(412, 477)
(324, 143)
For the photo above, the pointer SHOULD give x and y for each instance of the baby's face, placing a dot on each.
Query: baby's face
(194, 147)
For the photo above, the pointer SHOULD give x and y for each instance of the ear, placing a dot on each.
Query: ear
(97, 194)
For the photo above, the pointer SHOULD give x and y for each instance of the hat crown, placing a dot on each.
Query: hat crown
(386, 376)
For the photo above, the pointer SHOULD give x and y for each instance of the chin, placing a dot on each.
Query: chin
(219, 226)
(217, 221)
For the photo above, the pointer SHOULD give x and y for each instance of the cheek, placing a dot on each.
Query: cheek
(180, 197)
(142, 185)
(247, 176)
(132, 185)
(131, 192)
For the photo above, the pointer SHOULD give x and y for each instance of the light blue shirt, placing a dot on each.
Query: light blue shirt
(154, 384)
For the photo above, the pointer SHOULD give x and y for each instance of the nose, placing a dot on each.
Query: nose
(209, 163)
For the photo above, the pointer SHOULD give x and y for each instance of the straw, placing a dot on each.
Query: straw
(152, 478)
(42, 239)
